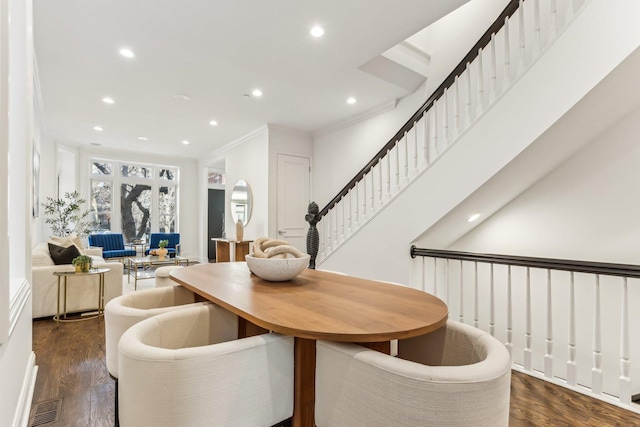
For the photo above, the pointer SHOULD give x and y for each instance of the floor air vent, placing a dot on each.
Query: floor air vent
(46, 412)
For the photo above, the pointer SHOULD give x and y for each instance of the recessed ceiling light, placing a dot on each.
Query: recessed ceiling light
(127, 53)
(473, 217)
(257, 93)
(182, 97)
(185, 142)
(317, 31)
(143, 138)
(108, 100)
(351, 100)
(98, 128)
(213, 123)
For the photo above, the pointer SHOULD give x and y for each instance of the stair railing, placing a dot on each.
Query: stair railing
(512, 43)
(564, 321)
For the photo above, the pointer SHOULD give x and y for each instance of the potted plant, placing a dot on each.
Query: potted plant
(83, 263)
(162, 249)
(66, 216)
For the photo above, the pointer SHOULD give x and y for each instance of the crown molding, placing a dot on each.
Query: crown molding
(388, 106)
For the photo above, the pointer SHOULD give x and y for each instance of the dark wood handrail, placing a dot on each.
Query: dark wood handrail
(437, 94)
(604, 268)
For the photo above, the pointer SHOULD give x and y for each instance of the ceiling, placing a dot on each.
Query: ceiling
(215, 52)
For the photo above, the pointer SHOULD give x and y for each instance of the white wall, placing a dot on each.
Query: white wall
(585, 209)
(17, 363)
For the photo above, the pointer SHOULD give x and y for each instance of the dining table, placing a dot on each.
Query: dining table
(315, 305)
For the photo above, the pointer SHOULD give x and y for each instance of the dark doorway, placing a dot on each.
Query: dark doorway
(216, 220)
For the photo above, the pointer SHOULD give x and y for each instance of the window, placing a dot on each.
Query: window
(146, 200)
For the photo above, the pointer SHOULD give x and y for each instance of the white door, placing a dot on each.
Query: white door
(294, 177)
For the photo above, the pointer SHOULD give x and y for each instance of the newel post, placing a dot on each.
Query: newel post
(313, 239)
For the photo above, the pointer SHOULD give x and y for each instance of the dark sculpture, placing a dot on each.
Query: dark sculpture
(313, 239)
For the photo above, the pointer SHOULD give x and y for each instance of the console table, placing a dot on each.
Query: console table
(231, 250)
(65, 274)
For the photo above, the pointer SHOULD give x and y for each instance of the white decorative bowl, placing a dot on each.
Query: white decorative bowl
(277, 270)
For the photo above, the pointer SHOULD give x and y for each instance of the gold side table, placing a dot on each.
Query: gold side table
(63, 283)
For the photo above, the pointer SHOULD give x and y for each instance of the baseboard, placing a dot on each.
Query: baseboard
(23, 409)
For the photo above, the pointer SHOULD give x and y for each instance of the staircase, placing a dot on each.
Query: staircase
(524, 100)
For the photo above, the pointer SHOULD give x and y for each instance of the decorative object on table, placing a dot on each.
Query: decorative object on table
(276, 260)
(162, 250)
(239, 231)
(83, 263)
(66, 216)
(313, 239)
(156, 237)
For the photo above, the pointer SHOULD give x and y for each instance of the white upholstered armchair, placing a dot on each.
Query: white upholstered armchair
(176, 370)
(460, 376)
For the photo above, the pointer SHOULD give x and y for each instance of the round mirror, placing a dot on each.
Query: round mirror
(241, 202)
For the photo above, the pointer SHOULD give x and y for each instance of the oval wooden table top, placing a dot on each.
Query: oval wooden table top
(317, 304)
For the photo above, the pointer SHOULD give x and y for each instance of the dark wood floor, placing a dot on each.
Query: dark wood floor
(72, 367)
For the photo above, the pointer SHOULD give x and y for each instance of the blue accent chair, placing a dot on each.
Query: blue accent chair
(112, 245)
(174, 242)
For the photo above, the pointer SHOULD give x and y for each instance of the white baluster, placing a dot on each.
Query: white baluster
(434, 131)
(569, 11)
(509, 343)
(388, 155)
(536, 29)
(435, 276)
(468, 114)
(335, 225)
(406, 157)
(572, 368)
(480, 100)
(456, 110)
(476, 298)
(415, 149)
(494, 77)
(373, 187)
(625, 357)
(596, 371)
(446, 281)
(397, 166)
(321, 232)
(349, 213)
(424, 274)
(344, 218)
(427, 129)
(521, 45)
(507, 56)
(461, 307)
(553, 19)
(445, 118)
(492, 305)
(528, 339)
(548, 357)
(357, 204)
(364, 194)
(380, 183)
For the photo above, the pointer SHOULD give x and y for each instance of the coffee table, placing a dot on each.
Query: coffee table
(139, 267)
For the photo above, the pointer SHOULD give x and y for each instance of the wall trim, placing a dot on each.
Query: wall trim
(18, 302)
(388, 106)
(23, 410)
(217, 154)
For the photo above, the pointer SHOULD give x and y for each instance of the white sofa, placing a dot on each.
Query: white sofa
(82, 294)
